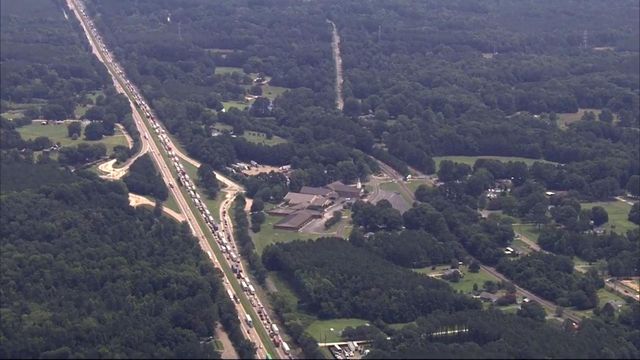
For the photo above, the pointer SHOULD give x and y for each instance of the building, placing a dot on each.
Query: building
(343, 190)
(489, 297)
(297, 220)
(319, 191)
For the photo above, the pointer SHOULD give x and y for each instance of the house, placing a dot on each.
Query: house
(343, 190)
(316, 191)
(489, 297)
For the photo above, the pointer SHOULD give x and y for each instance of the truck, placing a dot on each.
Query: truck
(249, 321)
(244, 285)
(252, 290)
(286, 348)
(234, 257)
(274, 328)
(230, 294)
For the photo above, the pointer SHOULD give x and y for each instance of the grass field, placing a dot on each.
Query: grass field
(269, 235)
(235, 104)
(618, 212)
(470, 160)
(528, 230)
(395, 187)
(331, 330)
(414, 184)
(80, 110)
(261, 138)
(58, 133)
(466, 283)
(228, 70)
(564, 119)
(272, 92)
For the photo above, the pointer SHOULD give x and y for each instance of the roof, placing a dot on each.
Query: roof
(315, 190)
(488, 296)
(298, 198)
(340, 187)
(399, 203)
(297, 219)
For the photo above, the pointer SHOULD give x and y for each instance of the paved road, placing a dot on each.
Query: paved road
(167, 176)
(137, 200)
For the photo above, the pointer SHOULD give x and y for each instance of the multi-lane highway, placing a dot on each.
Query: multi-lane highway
(196, 215)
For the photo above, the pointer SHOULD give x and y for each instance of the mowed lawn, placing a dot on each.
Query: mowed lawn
(261, 138)
(618, 215)
(529, 231)
(470, 160)
(58, 133)
(268, 235)
(331, 330)
(466, 283)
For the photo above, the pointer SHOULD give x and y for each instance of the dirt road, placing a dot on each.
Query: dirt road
(137, 200)
(337, 59)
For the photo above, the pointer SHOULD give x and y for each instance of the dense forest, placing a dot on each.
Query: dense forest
(86, 275)
(49, 72)
(341, 280)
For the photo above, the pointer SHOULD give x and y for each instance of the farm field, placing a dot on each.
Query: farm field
(470, 160)
(618, 212)
(58, 133)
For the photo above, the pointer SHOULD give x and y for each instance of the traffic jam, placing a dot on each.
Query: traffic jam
(221, 236)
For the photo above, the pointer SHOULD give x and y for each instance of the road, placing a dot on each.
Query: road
(165, 172)
(337, 59)
(137, 200)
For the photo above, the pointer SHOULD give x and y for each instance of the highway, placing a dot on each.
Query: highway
(161, 156)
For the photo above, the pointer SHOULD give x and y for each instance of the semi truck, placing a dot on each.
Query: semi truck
(249, 321)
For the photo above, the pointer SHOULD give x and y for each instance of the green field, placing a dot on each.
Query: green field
(564, 119)
(235, 104)
(530, 231)
(470, 160)
(80, 110)
(618, 212)
(466, 283)
(228, 70)
(58, 133)
(414, 184)
(395, 187)
(261, 138)
(272, 92)
(269, 235)
(331, 330)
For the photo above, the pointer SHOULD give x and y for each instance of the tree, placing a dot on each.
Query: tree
(207, 179)
(74, 128)
(351, 107)
(599, 215)
(559, 311)
(93, 131)
(257, 205)
(532, 310)
(606, 116)
(634, 214)
(256, 90)
(633, 185)
(260, 107)
(474, 267)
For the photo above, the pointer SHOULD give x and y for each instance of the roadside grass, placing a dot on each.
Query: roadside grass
(470, 160)
(58, 133)
(261, 138)
(618, 212)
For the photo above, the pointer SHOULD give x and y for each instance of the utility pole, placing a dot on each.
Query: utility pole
(585, 37)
